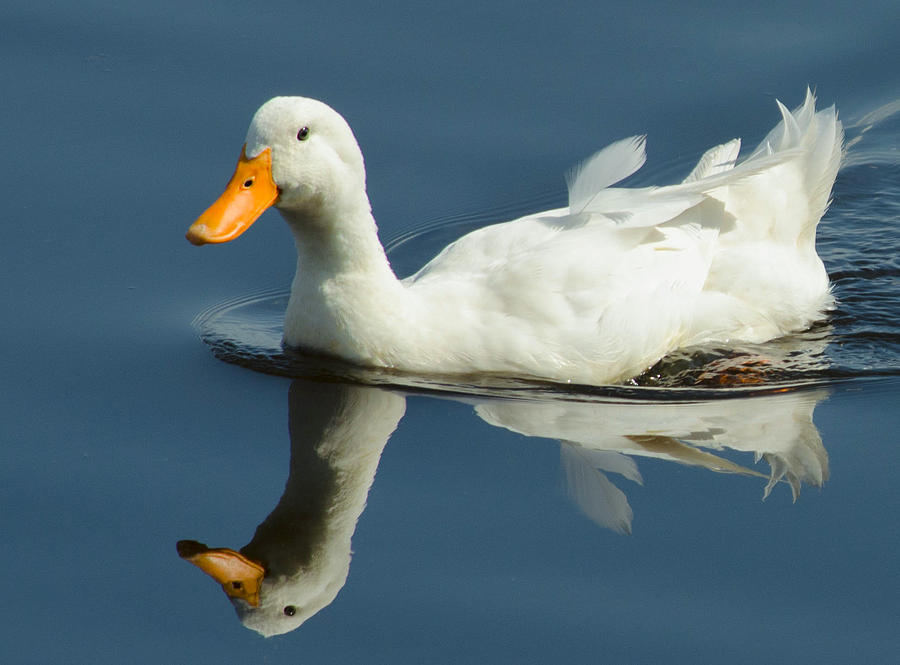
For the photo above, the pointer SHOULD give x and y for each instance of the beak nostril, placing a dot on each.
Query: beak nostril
(238, 207)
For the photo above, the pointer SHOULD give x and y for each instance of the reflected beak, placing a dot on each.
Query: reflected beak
(249, 193)
(239, 576)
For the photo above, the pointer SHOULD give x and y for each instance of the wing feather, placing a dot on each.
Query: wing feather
(615, 162)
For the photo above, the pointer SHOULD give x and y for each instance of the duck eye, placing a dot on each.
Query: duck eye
(290, 611)
(303, 134)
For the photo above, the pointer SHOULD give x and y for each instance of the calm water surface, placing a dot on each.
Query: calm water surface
(672, 519)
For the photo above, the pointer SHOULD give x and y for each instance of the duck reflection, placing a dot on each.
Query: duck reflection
(602, 437)
(299, 557)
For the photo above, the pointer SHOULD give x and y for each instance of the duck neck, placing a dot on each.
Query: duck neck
(343, 241)
(337, 435)
(345, 296)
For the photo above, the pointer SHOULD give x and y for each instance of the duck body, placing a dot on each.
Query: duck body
(591, 293)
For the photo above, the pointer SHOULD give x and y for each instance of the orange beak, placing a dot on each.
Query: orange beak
(239, 576)
(249, 193)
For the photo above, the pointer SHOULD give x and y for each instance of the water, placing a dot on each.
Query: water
(483, 538)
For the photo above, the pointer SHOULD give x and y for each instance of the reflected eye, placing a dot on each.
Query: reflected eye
(290, 611)
(303, 134)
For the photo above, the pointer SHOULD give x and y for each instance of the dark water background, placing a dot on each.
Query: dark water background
(120, 433)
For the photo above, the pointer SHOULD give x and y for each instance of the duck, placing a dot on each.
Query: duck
(591, 293)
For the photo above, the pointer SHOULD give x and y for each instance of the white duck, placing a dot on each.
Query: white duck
(591, 293)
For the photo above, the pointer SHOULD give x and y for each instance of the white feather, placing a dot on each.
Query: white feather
(606, 167)
(719, 159)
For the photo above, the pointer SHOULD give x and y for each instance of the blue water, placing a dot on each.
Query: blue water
(504, 524)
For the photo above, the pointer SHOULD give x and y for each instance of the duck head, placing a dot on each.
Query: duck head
(300, 156)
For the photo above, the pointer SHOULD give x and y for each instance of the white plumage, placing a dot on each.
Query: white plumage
(592, 293)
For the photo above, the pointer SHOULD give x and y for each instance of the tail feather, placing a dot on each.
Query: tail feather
(779, 192)
(819, 136)
(827, 155)
(787, 199)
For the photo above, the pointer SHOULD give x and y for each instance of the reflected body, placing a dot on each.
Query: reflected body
(299, 557)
